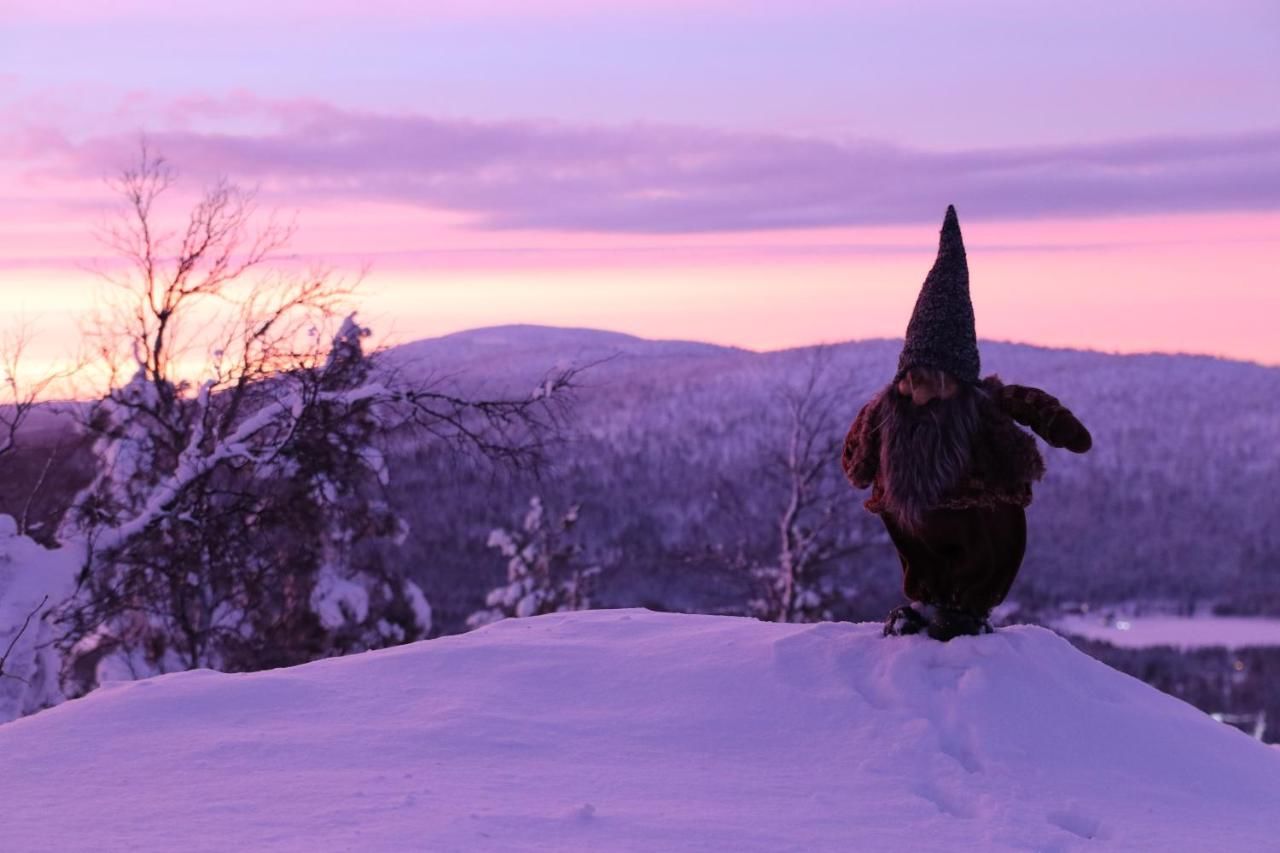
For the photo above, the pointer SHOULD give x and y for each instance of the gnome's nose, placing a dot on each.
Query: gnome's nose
(925, 386)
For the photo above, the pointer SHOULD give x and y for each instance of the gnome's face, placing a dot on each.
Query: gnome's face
(923, 385)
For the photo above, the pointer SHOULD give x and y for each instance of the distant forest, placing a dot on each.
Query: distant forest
(675, 454)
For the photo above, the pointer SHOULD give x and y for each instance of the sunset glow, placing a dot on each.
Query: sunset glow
(691, 198)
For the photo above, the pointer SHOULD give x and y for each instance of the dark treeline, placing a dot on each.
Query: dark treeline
(1240, 683)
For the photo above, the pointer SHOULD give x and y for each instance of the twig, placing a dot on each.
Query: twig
(4, 658)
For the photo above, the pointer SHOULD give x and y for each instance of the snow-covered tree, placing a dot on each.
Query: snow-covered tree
(241, 476)
(244, 552)
(544, 570)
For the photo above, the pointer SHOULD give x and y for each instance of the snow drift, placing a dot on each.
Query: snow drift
(633, 730)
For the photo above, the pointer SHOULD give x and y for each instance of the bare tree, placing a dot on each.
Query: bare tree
(33, 454)
(21, 391)
(811, 528)
(239, 444)
(19, 398)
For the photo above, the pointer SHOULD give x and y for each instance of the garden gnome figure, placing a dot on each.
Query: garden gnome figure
(950, 470)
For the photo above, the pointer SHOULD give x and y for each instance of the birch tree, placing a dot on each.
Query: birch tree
(810, 530)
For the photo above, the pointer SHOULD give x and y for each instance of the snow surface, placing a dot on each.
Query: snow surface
(1180, 632)
(629, 730)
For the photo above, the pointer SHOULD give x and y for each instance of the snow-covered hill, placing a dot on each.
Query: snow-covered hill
(628, 730)
(521, 353)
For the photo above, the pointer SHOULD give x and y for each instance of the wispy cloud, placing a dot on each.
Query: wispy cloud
(62, 11)
(650, 178)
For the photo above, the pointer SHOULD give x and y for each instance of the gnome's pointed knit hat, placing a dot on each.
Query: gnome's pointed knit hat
(941, 332)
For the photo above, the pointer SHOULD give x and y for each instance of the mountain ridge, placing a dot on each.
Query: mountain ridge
(547, 335)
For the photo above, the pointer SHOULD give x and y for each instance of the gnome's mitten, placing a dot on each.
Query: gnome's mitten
(1051, 420)
(861, 458)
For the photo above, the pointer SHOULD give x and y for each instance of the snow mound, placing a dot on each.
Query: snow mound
(616, 730)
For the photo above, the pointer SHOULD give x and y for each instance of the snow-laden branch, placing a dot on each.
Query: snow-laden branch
(264, 434)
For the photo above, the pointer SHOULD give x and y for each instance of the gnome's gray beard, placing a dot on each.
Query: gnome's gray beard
(925, 451)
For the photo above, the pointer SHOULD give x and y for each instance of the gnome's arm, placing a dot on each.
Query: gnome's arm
(861, 459)
(1051, 420)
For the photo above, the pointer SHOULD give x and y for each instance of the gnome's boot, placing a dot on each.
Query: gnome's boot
(948, 623)
(904, 620)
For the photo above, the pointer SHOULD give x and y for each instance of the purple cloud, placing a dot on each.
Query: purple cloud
(650, 178)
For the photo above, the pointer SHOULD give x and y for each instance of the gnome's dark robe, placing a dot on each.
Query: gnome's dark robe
(966, 552)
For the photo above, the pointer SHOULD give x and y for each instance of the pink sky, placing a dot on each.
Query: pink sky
(712, 171)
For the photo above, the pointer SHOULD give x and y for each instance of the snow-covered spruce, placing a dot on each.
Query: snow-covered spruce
(543, 570)
(629, 730)
(224, 530)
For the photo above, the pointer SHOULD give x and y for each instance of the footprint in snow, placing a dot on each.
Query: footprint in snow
(1076, 823)
(955, 803)
(584, 813)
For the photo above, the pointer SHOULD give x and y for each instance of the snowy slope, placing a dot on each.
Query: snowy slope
(628, 730)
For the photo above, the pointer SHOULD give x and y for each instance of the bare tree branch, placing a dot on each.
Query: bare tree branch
(13, 642)
(20, 395)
